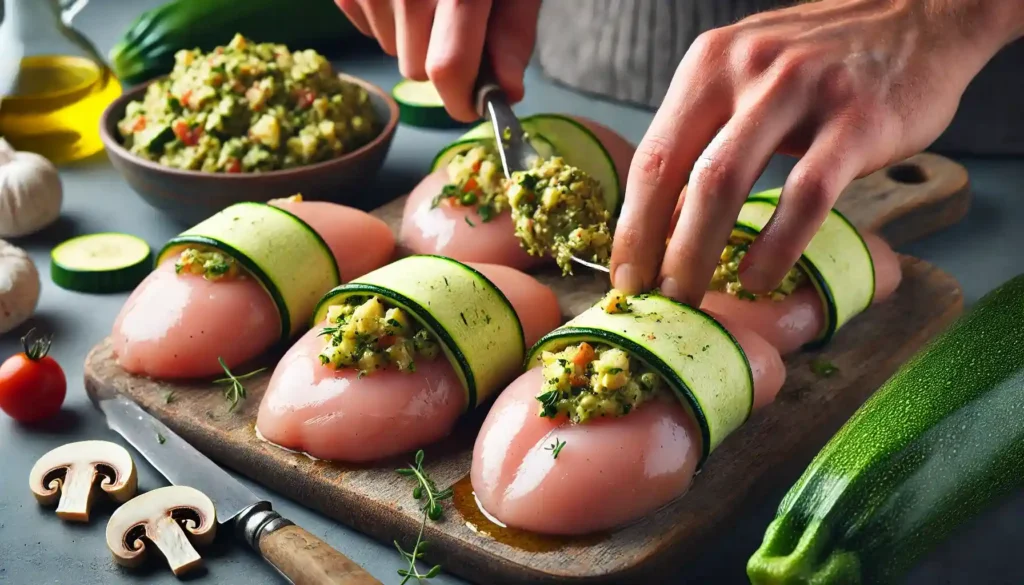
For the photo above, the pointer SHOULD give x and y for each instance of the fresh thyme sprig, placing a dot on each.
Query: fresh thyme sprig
(235, 390)
(425, 490)
(555, 448)
(426, 485)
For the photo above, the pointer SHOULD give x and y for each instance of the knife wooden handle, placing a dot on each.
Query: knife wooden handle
(307, 560)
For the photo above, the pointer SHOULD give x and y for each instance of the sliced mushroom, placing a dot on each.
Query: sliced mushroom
(71, 472)
(169, 518)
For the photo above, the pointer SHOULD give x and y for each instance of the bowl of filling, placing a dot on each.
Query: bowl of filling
(248, 122)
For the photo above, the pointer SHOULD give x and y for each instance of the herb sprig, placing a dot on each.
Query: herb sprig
(555, 448)
(432, 497)
(235, 390)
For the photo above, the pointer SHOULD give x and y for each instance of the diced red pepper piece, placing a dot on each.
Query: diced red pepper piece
(305, 98)
(234, 166)
(584, 355)
(139, 124)
(471, 185)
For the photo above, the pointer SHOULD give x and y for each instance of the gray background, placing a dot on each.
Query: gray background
(35, 547)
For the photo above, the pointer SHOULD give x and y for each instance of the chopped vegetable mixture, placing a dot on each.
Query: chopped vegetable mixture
(248, 107)
(368, 334)
(726, 278)
(210, 264)
(475, 180)
(558, 209)
(585, 381)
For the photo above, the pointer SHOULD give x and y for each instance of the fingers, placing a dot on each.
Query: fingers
(833, 161)
(453, 57)
(381, 18)
(355, 15)
(718, 186)
(413, 19)
(511, 34)
(695, 106)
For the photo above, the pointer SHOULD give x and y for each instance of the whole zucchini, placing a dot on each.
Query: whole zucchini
(938, 443)
(147, 49)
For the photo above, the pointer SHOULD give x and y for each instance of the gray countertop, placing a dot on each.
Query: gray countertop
(35, 547)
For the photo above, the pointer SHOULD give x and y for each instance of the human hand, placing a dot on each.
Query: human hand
(848, 85)
(444, 40)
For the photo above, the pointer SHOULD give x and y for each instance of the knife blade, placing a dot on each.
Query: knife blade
(298, 556)
(514, 148)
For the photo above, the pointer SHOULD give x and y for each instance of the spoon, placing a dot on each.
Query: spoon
(515, 151)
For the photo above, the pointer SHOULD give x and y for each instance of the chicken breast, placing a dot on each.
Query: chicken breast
(791, 323)
(176, 326)
(610, 471)
(334, 414)
(458, 232)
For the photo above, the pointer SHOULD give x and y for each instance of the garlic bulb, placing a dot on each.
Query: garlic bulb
(19, 286)
(30, 192)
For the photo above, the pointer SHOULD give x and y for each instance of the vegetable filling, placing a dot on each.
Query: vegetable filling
(368, 334)
(475, 180)
(726, 278)
(208, 263)
(558, 209)
(585, 381)
(248, 107)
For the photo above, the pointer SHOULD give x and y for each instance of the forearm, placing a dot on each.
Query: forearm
(988, 25)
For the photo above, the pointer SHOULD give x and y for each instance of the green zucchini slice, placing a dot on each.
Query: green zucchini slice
(287, 256)
(419, 104)
(567, 138)
(700, 360)
(476, 325)
(100, 263)
(837, 262)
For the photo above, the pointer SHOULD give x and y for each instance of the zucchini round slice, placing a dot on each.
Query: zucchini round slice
(100, 263)
(700, 360)
(419, 104)
(837, 262)
(287, 256)
(567, 138)
(479, 330)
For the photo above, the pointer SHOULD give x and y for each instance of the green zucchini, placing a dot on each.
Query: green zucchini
(419, 104)
(479, 330)
(147, 48)
(287, 256)
(699, 359)
(100, 263)
(837, 261)
(940, 441)
(567, 138)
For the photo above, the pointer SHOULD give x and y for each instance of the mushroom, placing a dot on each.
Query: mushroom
(19, 286)
(75, 469)
(169, 518)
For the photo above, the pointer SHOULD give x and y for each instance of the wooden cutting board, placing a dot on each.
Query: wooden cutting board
(904, 202)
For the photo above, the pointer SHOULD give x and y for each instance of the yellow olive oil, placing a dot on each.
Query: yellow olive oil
(56, 105)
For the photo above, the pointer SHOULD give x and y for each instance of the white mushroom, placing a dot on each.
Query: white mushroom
(70, 472)
(19, 286)
(30, 192)
(168, 518)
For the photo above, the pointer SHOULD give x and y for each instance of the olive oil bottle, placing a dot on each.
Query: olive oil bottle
(54, 85)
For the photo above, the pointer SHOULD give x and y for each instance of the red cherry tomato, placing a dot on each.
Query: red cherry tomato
(32, 384)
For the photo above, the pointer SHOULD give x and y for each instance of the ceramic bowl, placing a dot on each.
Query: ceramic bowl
(191, 196)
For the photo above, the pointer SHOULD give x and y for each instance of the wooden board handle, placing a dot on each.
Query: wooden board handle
(908, 200)
(306, 560)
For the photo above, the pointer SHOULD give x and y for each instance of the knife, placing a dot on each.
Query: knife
(515, 151)
(298, 556)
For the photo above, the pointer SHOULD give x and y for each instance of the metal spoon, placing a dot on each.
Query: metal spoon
(515, 151)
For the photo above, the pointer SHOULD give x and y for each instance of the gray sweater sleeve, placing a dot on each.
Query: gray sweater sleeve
(627, 50)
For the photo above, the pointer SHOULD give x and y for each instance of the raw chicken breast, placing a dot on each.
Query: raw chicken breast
(796, 320)
(610, 471)
(333, 414)
(445, 230)
(176, 326)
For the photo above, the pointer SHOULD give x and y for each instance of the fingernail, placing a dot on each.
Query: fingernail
(670, 288)
(627, 279)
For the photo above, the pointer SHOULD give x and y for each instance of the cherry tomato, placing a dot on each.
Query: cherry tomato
(32, 384)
